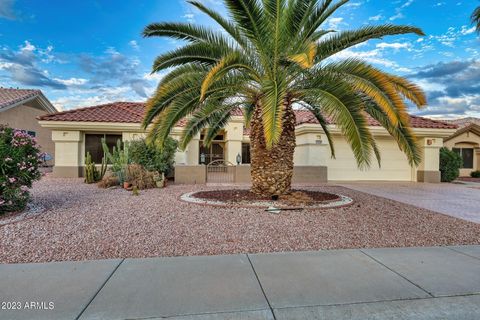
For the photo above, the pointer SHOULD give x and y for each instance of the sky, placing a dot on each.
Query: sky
(83, 53)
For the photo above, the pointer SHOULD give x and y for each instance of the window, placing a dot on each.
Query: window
(467, 156)
(245, 152)
(30, 133)
(93, 144)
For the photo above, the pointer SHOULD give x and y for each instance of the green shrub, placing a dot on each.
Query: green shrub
(450, 164)
(21, 157)
(152, 157)
(475, 174)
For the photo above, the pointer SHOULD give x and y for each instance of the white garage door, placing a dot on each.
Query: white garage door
(394, 164)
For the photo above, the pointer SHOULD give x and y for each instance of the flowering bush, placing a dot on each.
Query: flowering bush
(19, 160)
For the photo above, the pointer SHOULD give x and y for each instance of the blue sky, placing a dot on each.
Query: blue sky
(81, 53)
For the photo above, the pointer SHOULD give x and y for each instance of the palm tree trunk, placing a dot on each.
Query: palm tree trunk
(272, 169)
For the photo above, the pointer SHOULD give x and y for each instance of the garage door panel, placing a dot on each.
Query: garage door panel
(394, 164)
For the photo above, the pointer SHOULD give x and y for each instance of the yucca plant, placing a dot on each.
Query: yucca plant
(272, 56)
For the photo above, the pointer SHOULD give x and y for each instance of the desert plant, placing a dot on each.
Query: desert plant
(152, 157)
(475, 174)
(119, 158)
(92, 174)
(108, 181)
(138, 177)
(20, 157)
(450, 164)
(270, 56)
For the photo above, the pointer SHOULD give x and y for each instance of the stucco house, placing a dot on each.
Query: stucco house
(466, 141)
(77, 131)
(19, 108)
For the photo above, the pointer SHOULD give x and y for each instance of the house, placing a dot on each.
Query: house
(19, 108)
(78, 131)
(466, 141)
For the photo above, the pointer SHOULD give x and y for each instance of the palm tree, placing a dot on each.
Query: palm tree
(476, 18)
(272, 56)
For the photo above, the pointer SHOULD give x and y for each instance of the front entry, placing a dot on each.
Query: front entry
(212, 153)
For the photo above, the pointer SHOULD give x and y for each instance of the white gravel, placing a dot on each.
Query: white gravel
(84, 222)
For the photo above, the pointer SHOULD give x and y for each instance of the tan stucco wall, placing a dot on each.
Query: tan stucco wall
(312, 150)
(24, 117)
(467, 140)
(190, 174)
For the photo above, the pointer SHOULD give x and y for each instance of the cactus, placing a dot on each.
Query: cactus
(89, 169)
(92, 174)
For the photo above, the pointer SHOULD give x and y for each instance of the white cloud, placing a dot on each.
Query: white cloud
(399, 15)
(376, 18)
(72, 81)
(398, 11)
(465, 30)
(27, 46)
(334, 23)
(134, 44)
(395, 45)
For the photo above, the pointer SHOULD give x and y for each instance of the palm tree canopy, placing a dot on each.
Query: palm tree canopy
(272, 52)
(476, 18)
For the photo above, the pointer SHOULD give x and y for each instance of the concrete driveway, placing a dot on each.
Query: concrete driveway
(456, 200)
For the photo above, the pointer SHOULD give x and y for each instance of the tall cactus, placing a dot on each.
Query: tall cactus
(90, 169)
(92, 174)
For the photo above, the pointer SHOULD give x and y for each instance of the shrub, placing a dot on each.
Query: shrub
(450, 164)
(108, 181)
(21, 157)
(139, 177)
(152, 157)
(475, 174)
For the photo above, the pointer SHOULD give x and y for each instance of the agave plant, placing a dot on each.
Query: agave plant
(272, 56)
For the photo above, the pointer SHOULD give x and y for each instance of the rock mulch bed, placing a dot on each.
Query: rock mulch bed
(297, 199)
(84, 222)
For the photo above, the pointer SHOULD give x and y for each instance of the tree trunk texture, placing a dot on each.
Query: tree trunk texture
(272, 169)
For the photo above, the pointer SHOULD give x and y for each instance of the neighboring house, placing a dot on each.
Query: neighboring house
(19, 108)
(78, 131)
(466, 141)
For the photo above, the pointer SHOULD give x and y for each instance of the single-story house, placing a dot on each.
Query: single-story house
(466, 141)
(19, 108)
(78, 131)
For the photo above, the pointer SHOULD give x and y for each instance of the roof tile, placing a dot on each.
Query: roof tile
(132, 112)
(10, 96)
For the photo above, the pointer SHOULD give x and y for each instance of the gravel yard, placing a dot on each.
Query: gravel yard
(84, 222)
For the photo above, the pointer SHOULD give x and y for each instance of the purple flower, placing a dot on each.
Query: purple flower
(12, 180)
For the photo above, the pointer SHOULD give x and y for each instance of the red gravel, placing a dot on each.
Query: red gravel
(243, 196)
(85, 222)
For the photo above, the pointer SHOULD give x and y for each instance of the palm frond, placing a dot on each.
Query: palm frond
(347, 39)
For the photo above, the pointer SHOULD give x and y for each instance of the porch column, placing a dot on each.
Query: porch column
(233, 140)
(68, 154)
(192, 151)
(428, 170)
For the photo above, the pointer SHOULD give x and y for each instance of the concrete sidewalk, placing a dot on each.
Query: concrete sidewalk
(398, 283)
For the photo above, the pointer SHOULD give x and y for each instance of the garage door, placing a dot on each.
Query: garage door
(394, 164)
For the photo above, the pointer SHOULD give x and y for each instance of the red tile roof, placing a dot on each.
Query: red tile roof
(305, 116)
(132, 112)
(127, 112)
(10, 96)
